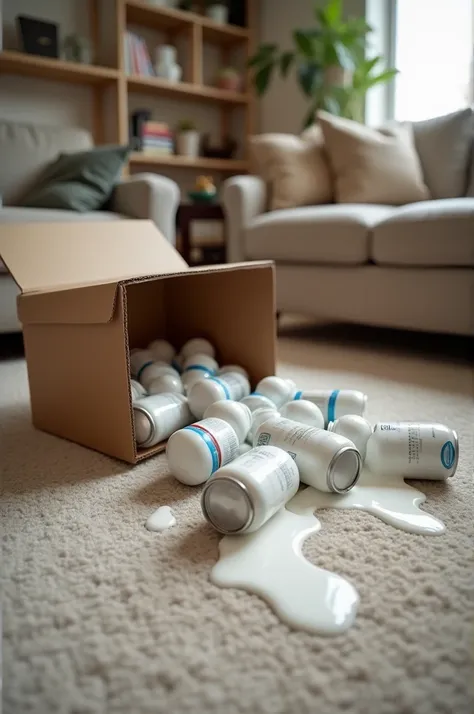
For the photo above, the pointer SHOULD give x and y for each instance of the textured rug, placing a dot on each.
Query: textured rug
(102, 616)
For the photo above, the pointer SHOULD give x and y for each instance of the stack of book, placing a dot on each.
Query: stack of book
(136, 56)
(156, 138)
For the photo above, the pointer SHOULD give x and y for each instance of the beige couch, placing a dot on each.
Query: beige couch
(405, 267)
(25, 150)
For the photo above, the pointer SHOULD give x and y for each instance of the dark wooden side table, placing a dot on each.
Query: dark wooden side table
(188, 212)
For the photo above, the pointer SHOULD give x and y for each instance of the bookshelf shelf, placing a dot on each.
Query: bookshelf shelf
(163, 18)
(184, 90)
(19, 63)
(206, 164)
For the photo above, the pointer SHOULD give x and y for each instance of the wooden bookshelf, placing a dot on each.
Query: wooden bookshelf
(159, 18)
(19, 63)
(184, 90)
(197, 30)
(201, 163)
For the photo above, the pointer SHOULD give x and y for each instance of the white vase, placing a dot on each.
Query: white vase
(218, 12)
(166, 66)
(187, 144)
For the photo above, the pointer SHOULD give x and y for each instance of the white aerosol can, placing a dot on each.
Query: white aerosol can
(326, 461)
(335, 403)
(156, 417)
(245, 494)
(418, 450)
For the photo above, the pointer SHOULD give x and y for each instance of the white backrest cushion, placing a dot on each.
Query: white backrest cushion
(25, 150)
(444, 147)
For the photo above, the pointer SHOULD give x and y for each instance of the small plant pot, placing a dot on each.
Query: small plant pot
(188, 144)
(218, 12)
(230, 83)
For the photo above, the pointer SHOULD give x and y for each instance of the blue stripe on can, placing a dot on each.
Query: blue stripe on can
(223, 385)
(144, 366)
(198, 366)
(332, 405)
(210, 445)
(298, 395)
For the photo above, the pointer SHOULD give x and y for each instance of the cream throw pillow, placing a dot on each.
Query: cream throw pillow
(295, 168)
(370, 165)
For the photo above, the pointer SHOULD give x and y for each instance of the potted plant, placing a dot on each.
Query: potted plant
(333, 66)
(187, 139)
(218, 11)
(230, 79)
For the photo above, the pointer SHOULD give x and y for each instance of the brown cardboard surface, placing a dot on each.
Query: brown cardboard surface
(79, 383)
(90, 304)
(89, 297)
(233, 308)
(51, 256)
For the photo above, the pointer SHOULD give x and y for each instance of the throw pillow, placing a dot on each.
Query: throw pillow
(82, 181)
(444, 147)
(295, 168)
(371, 165)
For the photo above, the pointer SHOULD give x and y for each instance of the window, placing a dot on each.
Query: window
(434, 52)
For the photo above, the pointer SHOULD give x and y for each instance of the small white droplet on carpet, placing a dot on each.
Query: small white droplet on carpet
(161, 519)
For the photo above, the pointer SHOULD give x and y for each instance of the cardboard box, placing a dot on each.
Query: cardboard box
(93, 291)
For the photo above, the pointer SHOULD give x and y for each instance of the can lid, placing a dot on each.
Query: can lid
(226, 505)
(344, 470)
(143, 426)
(456, 452)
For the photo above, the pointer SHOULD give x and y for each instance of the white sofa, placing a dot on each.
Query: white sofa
(406, 267)
(24, 152)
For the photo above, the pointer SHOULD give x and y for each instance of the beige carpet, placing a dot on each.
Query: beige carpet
(102, 616)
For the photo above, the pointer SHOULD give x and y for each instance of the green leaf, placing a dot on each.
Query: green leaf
(309, 74)
(385, 76)
(262, 79)
(286, 60)
(331, 15)
(304, 42)
(264, 55)
(342, 55)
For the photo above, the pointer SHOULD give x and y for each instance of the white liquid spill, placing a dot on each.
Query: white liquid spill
(161, 519)
(389, 498)
(270, 563)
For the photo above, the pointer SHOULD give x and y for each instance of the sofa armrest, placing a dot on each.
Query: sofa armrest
(244, 198)
(149, 196)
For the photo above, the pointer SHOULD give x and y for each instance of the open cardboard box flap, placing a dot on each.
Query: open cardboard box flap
(72, 269)
(95, 304)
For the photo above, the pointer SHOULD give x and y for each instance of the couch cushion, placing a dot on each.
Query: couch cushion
(26, 149)
(13, 214)
(432, 233)
(372, 166)
(315, 234)
(295, 168)
(444, 146)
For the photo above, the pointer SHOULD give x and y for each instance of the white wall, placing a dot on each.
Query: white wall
(284, 107)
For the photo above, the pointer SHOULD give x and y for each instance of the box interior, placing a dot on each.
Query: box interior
(232, 308)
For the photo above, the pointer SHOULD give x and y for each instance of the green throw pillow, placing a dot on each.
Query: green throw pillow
(82, 181)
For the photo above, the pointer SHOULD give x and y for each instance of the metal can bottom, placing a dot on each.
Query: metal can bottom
(335, 474)
(227, 506)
